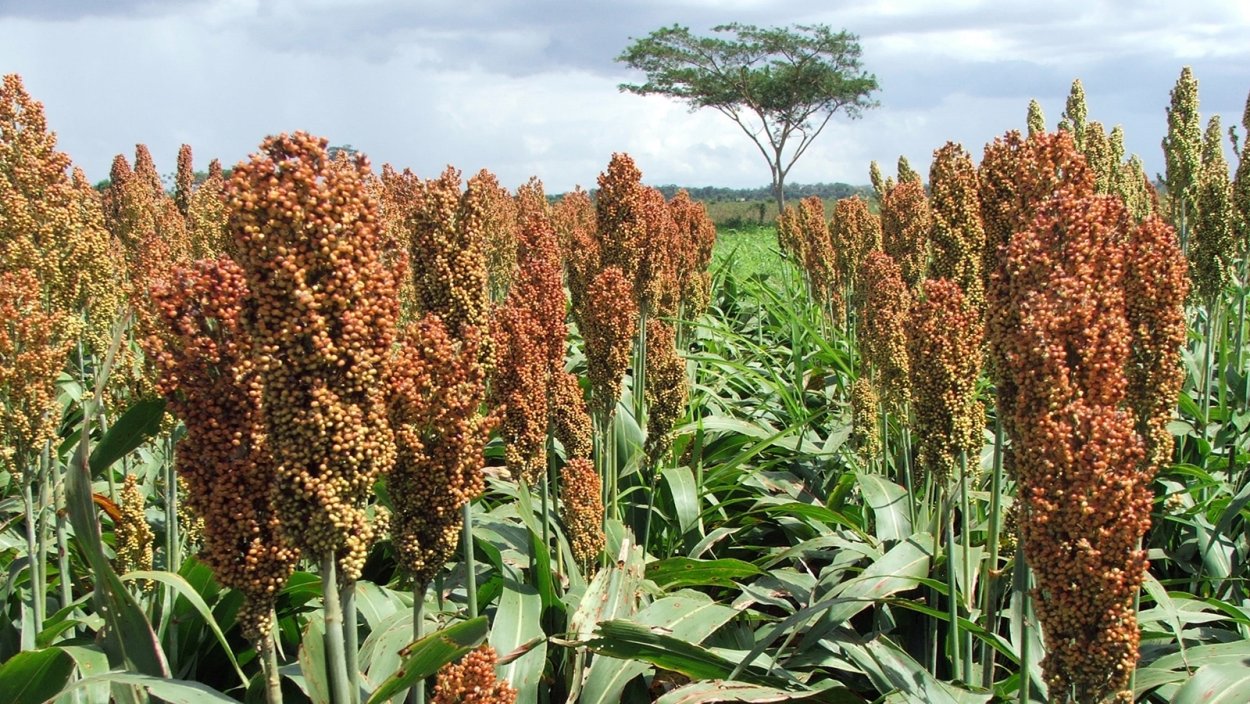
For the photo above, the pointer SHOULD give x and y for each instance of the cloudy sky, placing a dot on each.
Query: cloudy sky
(530, 87)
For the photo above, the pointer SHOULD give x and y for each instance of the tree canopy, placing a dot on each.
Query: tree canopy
(780, 85)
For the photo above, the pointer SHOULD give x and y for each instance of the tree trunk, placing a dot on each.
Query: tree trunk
(779, 194)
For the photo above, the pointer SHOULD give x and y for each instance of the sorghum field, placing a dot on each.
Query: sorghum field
(306, 430)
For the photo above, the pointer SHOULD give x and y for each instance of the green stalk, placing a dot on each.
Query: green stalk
(416, 695)
(989, 578)
(36, 604)
(269, 663)
(966, 535)
(952, 603)
(351, 640)
(45, 498)
(1207, 362)
(336, 656)
(62, 542)
(640, 372)
(470, 564)
(1021, 586)
(931, 635)
(173, 553)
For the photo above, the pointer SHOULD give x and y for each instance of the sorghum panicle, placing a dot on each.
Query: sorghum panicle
(958, 238)
(207, 220)
(883, 319)
(184, 180)
(1182, 148)
(696, 237)
(570, 416)
(855, 231)
(51, 223)
(538, 284)
(906, 219)
(666, 388)
(865, 435)
(473, 681)
(34, 344)
(1074, 115)
(438, 386)
(581, 509)
(1211, 247)
(1077, 455)
(609, 322)
(945, 351)
(519, 386)
(658, 284)
(447, 250)
(877, 180)
(322, 314)
(1156, 285)
(132, 533)
(1036, 121)
(499, 224)
(620, 217)
(1098, 155)
(906, 172)
(211, 382)
(574, 220)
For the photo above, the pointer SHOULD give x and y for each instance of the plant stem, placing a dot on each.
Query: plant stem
(1021, 586)
(336, 657)
(947, 509)
(351, 640)
(36, 604)
(989, 580)
(269, 663)
(470, 564)
(965, 515)
(416, 695)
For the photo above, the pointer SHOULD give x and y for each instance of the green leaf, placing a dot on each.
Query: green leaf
(312, 660)
(690, 616)
(518, 622)
(35, 676)
(139, 423)
(188, 592)
(129, 640)
(633, 641)
(167, 690)
(676, 572)
(424, 657)
(724, 691)
(889, 503)
(1225, 683)
(682, 489)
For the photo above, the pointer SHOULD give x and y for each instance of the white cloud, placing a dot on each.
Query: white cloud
(531, 89)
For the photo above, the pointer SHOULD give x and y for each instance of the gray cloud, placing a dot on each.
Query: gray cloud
(530, 88)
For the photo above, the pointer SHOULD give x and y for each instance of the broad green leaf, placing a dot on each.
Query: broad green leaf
(424, 657)
(690, 616)
(676, 572)
(1225, 683)
(139, 423)
(633, 641)
(723, 691)
(129, 640)
(312, 660)
(167, 690)
(889, 503)
(35, 676)
(183, 588)
(682, 489)
(518, 622)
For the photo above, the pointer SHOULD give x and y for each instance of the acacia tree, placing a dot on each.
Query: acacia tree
(781, 85)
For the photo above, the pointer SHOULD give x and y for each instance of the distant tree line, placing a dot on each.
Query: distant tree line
(794, 191)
